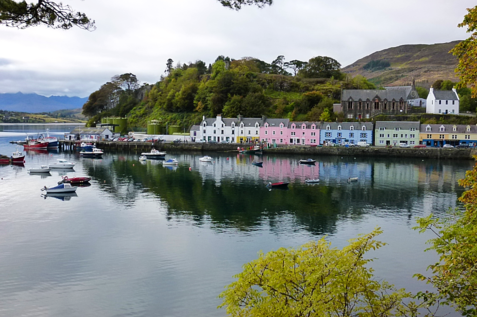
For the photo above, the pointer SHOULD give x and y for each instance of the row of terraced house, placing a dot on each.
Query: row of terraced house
(286, 132)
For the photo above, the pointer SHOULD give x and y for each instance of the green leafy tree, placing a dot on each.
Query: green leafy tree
(308, 101)
(255, 104)
(358, 82)
(422, 92)
(234, 107)
(315, 280)
(437, 84)
(466, 52)
(454, 275)
(201, 67)
(43, 12)
(169, 66)
(321, 67)
(277, 65)
(325, 116)
(128, 82)
(295, 65)
(447, 85)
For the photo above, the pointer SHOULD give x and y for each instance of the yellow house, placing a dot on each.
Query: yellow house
(454, 134)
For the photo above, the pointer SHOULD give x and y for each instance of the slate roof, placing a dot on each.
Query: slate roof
(405, 125)
(195, 127)
(84, 130)
(449, 128)
(445, 95)
(347, 125)
(250, 122)
(308, 124)
(389, 93)
(276, 122)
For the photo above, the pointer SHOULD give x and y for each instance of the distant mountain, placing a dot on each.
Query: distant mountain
(34, 103)
(399, 65)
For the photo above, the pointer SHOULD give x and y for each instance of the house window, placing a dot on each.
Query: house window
(395, 135)
(204, 124)
(467, 129)
(249, 132)
(381, 135)
(428, 128)
(214, 131)
(313, 141)
(363, 128)
(412, 136)
(266, 132)
(439, 102)
(214, 125)
(222, 131)
(376, 105)
(429, 136)
(351, 135)
(339, 127)
(328, 127)
(204, 131)
(350, 116)
(293, 126)
(292, 133)
(303, 133)
(313, 133)
(382, 129)
(363, 135)
(467, 137)
(454, 128)
(412, 142)
(339, 135)
(351, 128)
(233, 131)
(447, 102)
(381, 141)
(256, 132)
(328, 134)
(281, 140)
(441, 136)
(303, 127)
(350, 105)
(273, 132)
(281, 132)
(454, 136)
(442, 129)
(439, 110)
(313, 127)
(241, 132)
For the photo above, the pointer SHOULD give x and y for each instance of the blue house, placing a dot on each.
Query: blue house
(346, 132)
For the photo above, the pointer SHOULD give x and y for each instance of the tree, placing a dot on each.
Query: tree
(315, 280)
(437, 84)
(295, 65)
(277, 65)
(127, 81)
(422, 92)
(454, 276)
(233, 107)
(466, 52)
(237, 4)
(447, 85)
(201, 67)
(255, 104)
(321, 67)
(45, 12)
(169, 66)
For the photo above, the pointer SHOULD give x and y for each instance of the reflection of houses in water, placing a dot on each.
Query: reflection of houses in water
(287, 170)
(393, 175)
(340, 171)
(441, 177)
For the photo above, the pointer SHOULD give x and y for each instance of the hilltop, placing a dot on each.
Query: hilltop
(34, 103)
(399, 65)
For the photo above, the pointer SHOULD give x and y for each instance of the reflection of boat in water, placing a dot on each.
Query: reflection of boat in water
(259, 164)
(308, 161)
(142, 158)
(61, 196)
(171, 167)
(205, 159)
(36, 151)
(170, 162)
(62, 171)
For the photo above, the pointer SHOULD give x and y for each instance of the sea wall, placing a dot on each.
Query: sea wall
(305, 151)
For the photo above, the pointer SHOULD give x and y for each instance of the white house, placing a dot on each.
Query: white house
(442, 102)
(217, 129)
(89, 134)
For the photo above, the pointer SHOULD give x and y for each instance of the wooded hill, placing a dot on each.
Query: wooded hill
(397, 66)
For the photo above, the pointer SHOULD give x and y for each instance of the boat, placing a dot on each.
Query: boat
(308, 161)
(142, 158)
(18, 157)
(277, 185)
(51, 140)
(170, 162)
(62, 188)
(35, 145)
(42, 169)
(74, 180)
(98, 153)
(206, 159)
(62, 164)
(88, 147)
(154, 154)
(4, 159)
(312, 181)
(61, 196)
(252, 150)
(352, 179)
(259, 164)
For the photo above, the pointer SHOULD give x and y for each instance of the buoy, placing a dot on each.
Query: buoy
(190, 168)
(227, 158)
(133, 164)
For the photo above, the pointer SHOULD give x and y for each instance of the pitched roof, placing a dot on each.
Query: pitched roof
(347, 125)
(445, 95)
(388, 93)
(405, 125)
(276, 122)
(195, 127)
(449, 128)
(84, 130)
(308, 124)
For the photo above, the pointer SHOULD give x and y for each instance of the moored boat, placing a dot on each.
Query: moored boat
(308, 161)
(312, 181)
(352, 179)
(18, 157)
(86, 147)
(75, 180)
(62, 164)
(154, 154)
(277, 185)
(205, 159)
(35, 145)
(42, 169)
(98, 153)
(4, 159)
(62, 188)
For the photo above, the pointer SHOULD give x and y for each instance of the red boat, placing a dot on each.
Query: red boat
(32, 144)
(278, 185)
(75, 180)
(18, 157)
(4, 159)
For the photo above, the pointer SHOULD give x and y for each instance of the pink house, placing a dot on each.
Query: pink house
(274, 131)
(304, 133)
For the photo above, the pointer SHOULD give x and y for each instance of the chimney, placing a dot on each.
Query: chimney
(203, 118)
(239, 117)
(264, 118)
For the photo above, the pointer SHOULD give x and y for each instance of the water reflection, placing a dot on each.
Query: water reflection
(60, 196)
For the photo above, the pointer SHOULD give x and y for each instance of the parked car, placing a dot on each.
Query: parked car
(199, 141)
(364, 144)
(448, 146)
(419, 146)
(404, 145)
(463, 146)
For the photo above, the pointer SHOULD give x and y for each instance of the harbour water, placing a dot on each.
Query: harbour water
(150, 240)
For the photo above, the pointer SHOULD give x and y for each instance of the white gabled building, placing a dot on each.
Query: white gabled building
(442, 102)
(218, 129)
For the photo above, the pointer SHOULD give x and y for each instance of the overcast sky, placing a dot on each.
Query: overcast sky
(139, 36)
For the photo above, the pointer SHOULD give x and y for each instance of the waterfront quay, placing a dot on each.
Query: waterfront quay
(305, 151)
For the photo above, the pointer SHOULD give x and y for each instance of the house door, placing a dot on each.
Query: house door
(303, 141)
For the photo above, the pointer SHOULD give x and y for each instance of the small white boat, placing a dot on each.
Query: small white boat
(205, 159)
(170, 162)
(312, 181)
(308, 161)
(42, 169)
(154, 154)
(142, 158)
(62, 188)
(352, 179)
(62, 163)
(95, 152)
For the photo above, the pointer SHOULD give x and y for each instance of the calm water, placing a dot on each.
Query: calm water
(146, 240)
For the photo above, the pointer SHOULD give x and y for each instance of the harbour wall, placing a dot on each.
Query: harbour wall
(305, 151)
